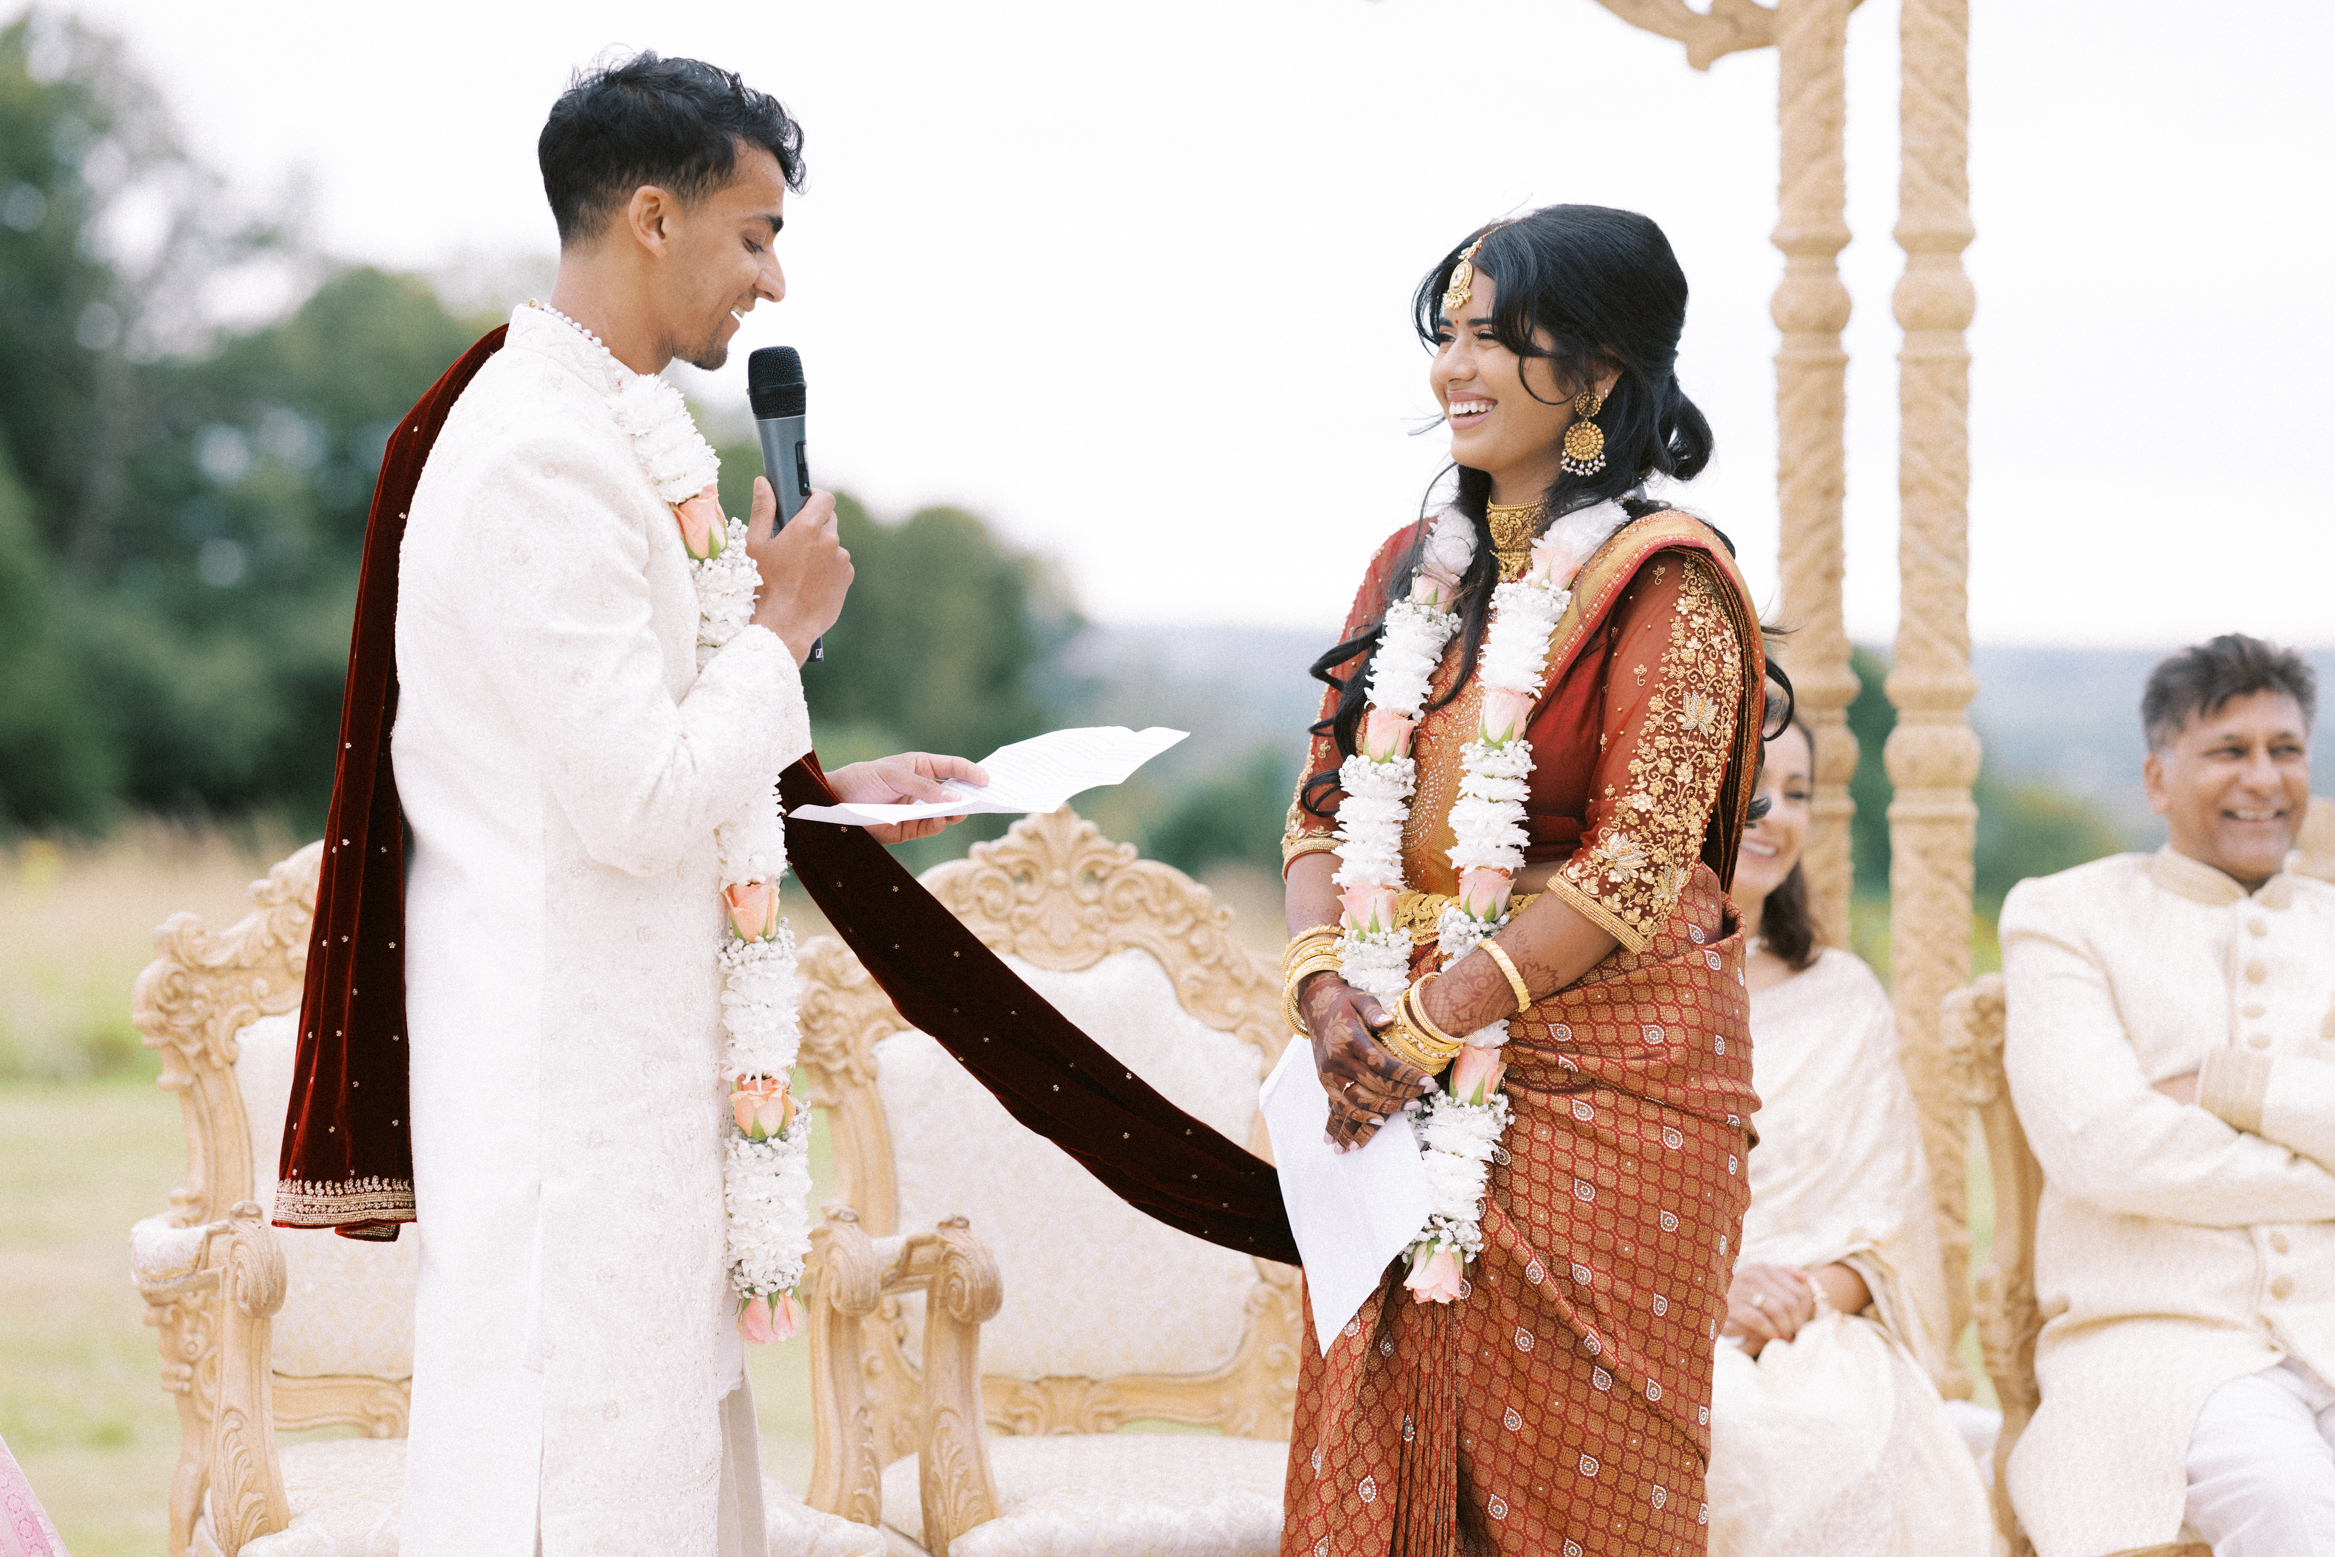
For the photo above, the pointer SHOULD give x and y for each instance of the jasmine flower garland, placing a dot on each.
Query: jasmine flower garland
(766, 1175)
(1459, 1125)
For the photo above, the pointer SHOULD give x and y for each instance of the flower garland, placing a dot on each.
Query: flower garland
(1460, 1125)
(766, 1169)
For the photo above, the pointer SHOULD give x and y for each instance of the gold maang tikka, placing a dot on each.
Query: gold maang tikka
(1463, 276)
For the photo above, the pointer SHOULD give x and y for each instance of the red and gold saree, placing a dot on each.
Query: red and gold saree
(1562, 1405)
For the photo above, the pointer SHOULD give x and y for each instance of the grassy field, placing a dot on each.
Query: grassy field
(88, 1144)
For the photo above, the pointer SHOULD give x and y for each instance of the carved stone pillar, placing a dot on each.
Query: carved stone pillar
(1811, 309)
(1933, 753)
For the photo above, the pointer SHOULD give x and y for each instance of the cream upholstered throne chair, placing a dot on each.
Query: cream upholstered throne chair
(1039, 1302)
(266, 1331)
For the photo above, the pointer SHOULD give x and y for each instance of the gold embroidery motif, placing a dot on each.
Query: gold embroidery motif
(1644, 847)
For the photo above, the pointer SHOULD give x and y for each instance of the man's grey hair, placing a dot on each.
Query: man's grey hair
(2200, 681)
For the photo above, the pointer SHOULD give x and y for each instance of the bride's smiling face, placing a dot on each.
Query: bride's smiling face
(1500, 426)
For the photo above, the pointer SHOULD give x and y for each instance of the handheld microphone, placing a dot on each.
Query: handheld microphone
(774, 387)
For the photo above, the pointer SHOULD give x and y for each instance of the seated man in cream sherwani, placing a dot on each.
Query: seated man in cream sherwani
(570, 736)
(2171, 1051)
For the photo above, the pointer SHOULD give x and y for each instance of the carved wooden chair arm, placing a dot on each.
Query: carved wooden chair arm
(842, 1281)
(963, 1291)
(2006, 1311)
(247, 1483)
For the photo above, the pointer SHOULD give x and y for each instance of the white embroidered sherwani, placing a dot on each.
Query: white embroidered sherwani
(2179, 1246)
(564, 765)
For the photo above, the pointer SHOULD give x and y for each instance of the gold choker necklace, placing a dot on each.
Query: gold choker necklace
(1514, 526)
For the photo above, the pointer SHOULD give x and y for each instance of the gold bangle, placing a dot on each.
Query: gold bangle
(1324, 961)
(1417, 995)
(1414, 1038)
(1305, 944)
(1491, 948)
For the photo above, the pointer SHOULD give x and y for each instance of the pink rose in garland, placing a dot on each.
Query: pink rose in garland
(1435, 1279)
(763, 1107)
(1505, 714)
(1370, 908)
(753, 910)
(703, 529)
(1476, 1075)
(1386, 735)
(1483, 892)
(770, 1317)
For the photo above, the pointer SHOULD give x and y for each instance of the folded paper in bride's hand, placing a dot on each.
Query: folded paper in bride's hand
(1039, 774)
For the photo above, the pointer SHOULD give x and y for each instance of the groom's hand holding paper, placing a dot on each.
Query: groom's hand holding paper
(1039, 774)
(906, 782)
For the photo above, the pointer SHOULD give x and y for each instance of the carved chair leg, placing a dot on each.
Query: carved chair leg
(841, 1283)
(247, 1483)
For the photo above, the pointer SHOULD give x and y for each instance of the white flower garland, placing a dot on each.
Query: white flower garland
(1458, 1137)
(766, 1171)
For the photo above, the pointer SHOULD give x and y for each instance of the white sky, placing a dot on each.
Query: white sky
(1131, 279)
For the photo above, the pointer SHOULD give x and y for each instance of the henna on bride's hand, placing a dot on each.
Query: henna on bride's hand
(1367, 1085)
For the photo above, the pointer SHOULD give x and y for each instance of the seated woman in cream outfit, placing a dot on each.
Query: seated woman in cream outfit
(1828, 1437)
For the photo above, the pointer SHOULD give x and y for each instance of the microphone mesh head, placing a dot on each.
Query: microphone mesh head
(774, 382)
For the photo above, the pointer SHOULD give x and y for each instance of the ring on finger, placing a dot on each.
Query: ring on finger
(1759, 1301)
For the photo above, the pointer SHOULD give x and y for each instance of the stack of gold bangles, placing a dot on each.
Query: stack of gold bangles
(1412, 1038)
(1316, 951)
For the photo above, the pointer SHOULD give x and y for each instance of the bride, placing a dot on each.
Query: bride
(1507, 868)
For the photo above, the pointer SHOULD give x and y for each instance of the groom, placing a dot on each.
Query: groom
(564, 758)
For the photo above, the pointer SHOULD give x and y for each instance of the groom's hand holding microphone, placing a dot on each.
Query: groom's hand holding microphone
(805, 570)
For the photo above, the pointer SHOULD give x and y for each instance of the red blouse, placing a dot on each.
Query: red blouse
(1630, 743)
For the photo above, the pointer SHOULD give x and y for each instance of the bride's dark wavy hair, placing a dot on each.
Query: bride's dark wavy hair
(1604, 290)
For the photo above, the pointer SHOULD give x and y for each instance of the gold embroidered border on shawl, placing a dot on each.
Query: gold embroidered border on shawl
(300, 1203)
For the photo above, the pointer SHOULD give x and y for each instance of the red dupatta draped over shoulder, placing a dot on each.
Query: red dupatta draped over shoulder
(347, 1160)
(1562, 1404)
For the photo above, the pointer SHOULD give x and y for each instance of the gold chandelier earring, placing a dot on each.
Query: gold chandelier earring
(1584, 440)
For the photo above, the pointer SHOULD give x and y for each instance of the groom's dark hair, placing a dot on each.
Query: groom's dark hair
(676, 123)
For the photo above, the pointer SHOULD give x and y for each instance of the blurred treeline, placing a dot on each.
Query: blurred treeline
(182, 506)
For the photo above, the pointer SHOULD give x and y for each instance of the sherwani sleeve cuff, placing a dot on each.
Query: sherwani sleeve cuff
(758, 655)
(2232, 1086)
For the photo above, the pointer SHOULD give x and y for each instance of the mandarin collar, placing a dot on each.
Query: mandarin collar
(547, 336)
(2199, 882)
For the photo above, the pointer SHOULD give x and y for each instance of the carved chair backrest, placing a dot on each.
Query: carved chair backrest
(1108, 1317)
(2006, 1312)
(222, 1008)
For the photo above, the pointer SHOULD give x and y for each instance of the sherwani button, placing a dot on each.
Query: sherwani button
(2258, 926)
(2257, 971)
(2278, 1242)
(2260, 1040)
(2282, 1286)
(2254, 1008)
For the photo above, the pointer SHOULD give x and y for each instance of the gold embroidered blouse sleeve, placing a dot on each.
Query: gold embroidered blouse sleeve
(1673, 683)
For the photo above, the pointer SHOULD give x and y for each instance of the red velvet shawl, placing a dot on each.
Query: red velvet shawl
(347, 1158)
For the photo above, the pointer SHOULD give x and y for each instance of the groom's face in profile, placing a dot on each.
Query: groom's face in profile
(719, 259)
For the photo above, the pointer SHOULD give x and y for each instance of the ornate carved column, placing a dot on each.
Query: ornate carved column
(1933, 753)
(1811, 309)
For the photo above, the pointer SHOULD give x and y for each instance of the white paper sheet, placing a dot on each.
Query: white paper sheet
(1352, 1211)
(1039, 774)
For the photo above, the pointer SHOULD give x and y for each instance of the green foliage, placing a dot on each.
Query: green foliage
(2024, 829)
(57, 763)
(948, 641)
(1236, 817)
